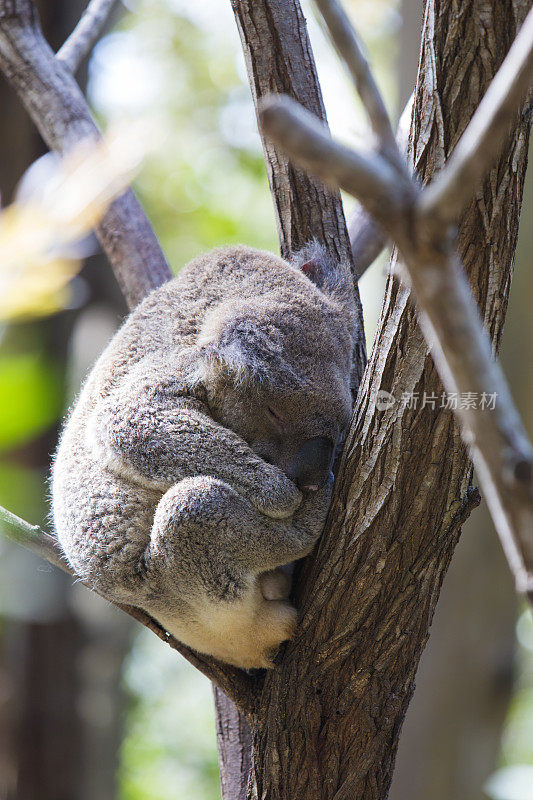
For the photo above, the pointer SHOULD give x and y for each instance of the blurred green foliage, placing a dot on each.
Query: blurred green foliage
(31, 397)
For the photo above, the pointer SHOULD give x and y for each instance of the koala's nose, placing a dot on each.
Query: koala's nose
(310, 467)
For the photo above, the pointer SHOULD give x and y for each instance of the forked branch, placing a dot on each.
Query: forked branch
(347, 44)
(368, 176)
(449, 318)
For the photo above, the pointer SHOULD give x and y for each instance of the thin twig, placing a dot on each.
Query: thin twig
(86, 33)
(347, 44)
(33, 538)
(477, 148)
(235, 683)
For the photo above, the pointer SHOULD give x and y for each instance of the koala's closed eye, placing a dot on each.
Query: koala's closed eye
(275, 419)
(176, 485)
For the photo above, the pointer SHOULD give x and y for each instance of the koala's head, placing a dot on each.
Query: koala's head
(276, 367)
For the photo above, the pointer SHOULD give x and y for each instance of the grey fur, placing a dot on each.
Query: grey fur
(163, 496)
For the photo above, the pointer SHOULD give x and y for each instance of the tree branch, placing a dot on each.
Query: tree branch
(347, 44)
(59, 110)
(448, 316)
(33, 538)
(497, 441)
(369, 177)
(363, 175)
(235, 683)
(367, 238)
(86, 33)
(453, 187)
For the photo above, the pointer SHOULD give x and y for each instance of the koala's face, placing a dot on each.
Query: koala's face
(281, 380)
(296, 430)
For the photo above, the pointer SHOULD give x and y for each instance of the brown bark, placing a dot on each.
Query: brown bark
(279, 60)
(234, 742)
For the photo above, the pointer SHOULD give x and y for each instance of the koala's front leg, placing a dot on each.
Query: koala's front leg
(208, 552)
(149, 432)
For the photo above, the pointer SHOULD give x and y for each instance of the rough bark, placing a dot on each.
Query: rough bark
(234, 742)
(465, 676)
(330, 716)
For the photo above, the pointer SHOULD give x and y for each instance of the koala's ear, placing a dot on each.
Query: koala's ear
(332, 278)
(231, 344)
(311, 268)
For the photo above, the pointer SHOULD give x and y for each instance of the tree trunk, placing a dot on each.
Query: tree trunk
(279, 57)
(328, 720)
(465, 674)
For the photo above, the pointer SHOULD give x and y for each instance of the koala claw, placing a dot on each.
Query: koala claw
(282, 505)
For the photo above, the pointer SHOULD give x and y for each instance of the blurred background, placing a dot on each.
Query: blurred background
(92, 706)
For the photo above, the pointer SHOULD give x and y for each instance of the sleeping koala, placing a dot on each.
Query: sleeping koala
(197, 459)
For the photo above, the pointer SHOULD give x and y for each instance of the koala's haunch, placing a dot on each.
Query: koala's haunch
(196, 461)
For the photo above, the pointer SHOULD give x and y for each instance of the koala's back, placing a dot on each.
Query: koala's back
(171, 317)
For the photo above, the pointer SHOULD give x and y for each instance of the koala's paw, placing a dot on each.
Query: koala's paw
(275, 623)
(275, 584)
(279, 498)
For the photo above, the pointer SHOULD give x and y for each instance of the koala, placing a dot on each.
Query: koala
(196, 462)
